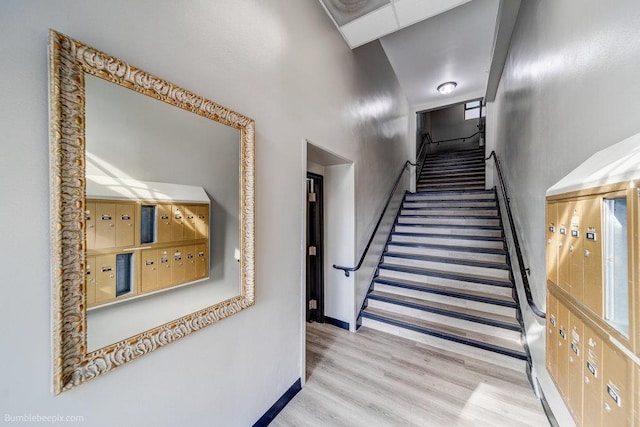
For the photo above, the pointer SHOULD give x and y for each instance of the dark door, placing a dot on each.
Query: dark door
(315, 277)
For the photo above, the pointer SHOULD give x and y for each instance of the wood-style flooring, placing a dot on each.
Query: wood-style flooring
(372, 378)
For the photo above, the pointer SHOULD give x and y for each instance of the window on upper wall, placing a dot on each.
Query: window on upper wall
(472, 110)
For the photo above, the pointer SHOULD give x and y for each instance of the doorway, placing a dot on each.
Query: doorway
(315, 248)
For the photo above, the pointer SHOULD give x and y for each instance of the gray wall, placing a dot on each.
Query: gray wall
(448, 123)
(569, 88)
(280, 62)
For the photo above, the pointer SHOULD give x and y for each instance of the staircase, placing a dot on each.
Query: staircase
(444, 279)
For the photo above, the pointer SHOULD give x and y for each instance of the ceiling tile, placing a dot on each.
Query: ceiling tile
(370, 27)
(345, 11)
(412, 11)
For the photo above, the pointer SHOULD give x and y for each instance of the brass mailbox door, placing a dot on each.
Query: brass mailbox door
(202, 222)
(202, 263)
(178, 219)
(576, 361)
(565, 209)
(90, 287)
(165, 259)
(592, 377)
(190, 213)
(618, 406)
(552, 242)
(164, 222)
(90, 224)
(190, 263)
(105, 277)
(592, 251)
(576, 255)
(125, 224)
(552, 336)
(179, 265)
(562, 377)
(105, 225)
(149, 270)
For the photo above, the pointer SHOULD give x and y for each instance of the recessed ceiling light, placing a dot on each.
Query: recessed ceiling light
(447, 88)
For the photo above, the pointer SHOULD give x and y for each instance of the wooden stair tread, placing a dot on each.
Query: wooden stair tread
(451, 248)
(449, 308)
(512, 345)
(448, 260)
(463, 277)
(447, 290)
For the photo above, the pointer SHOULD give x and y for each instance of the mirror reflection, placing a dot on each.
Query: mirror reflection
(162, 212)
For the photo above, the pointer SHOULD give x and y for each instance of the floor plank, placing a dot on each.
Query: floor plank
(371, 378)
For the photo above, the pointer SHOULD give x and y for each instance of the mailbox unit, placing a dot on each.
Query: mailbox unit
(593, 300)
(143, 238)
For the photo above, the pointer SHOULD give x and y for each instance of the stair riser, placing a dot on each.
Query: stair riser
(451, 183)
(438, 175)
(465, 351)
(475, 196)
(445, 231)
(449, 211)
(451, 168)
(453, 284)
(474, 256)
(454, 162)
(428, 189)
(457, 155)
(448, 241)
(444, 299)
(452, 204)
(492, 273)
(450, 173)
(448, 221)
(447, 321)
(452, 177)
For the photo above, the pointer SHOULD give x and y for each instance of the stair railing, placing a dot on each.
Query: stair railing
(422, 153)
(463, 138)
(523, 270)
(347, 270)
(426, 139)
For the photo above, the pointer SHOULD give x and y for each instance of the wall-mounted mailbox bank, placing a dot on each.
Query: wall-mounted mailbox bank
(593, 294)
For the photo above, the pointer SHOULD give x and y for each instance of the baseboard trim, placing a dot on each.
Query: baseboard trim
(547, 409)
(336, 322)
(273, 412)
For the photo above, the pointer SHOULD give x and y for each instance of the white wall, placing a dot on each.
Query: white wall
(569, 89)
(279, 62)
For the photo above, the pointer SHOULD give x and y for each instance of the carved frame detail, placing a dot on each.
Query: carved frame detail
(69, 59)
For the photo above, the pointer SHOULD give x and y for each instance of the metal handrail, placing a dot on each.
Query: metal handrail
(523, 270)
(366, 249)
(463, 138)
(426, 138)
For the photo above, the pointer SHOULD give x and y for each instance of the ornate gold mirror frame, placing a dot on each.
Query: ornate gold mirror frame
(69, 60)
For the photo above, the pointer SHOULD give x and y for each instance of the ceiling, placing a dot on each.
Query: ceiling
(429, 42)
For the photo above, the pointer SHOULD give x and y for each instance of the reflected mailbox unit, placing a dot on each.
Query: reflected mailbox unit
(593, 300)
(146, 242)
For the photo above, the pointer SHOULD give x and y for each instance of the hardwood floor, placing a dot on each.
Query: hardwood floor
(372, 378)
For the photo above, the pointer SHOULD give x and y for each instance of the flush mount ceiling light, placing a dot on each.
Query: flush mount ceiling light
(447, 88)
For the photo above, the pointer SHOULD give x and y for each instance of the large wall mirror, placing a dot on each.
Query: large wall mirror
(152, 194)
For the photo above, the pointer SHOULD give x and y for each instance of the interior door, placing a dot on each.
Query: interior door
(315, 247)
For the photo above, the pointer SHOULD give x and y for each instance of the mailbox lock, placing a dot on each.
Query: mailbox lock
(571, 248)
(586, 252)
